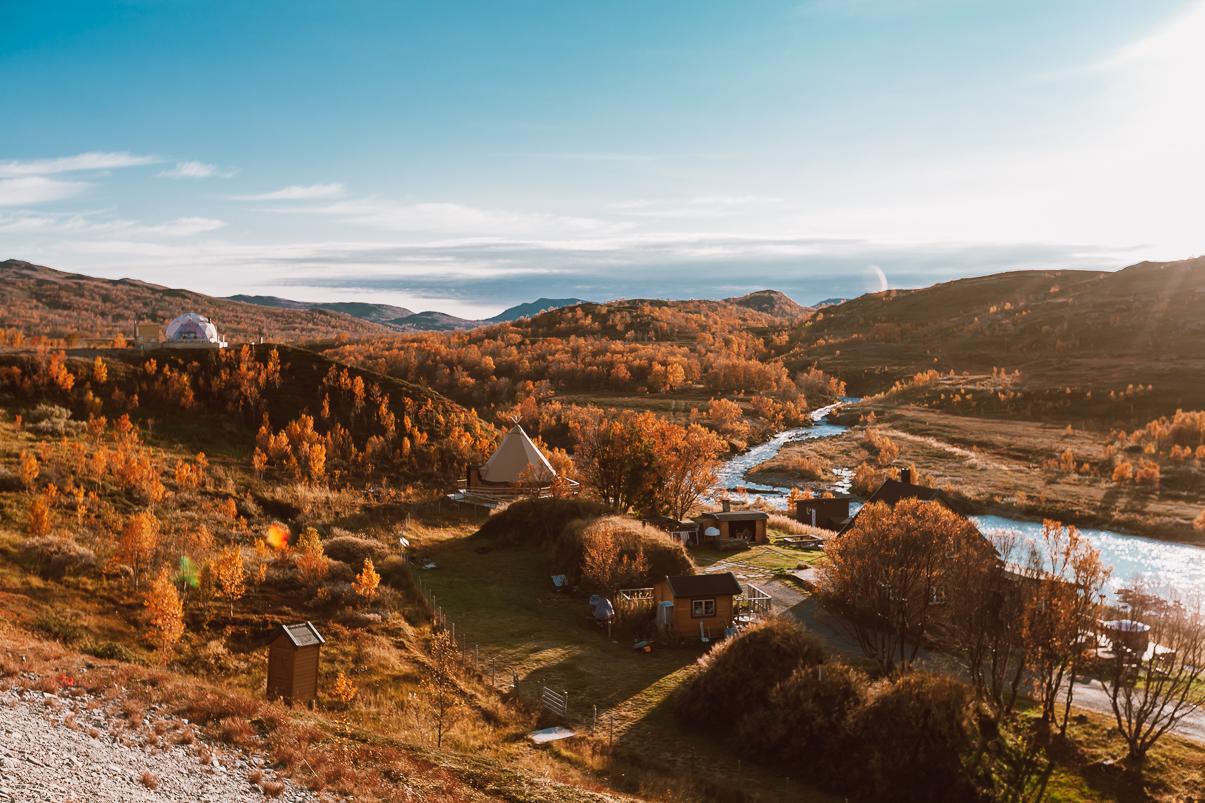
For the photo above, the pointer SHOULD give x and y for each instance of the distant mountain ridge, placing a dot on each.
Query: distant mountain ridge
(403, 320)
(377, 313)
(534, 308)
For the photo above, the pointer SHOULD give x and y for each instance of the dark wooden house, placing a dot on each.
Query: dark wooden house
(293, 663)
(826, 512)
(893, 491)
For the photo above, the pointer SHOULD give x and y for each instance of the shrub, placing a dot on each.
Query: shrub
(111, 651)
(354, 550)
(866, 480)
(804, 715)
(913, 737)
(534, 521)
(50, 419)
(54, 557)
(661, 557)
(63, 626)
(735, 676)
(336, 594)
(395, 573)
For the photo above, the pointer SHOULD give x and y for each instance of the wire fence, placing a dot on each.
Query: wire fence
(504, 677)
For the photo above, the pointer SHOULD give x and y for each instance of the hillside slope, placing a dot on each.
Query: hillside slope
(1085, 330)
(42, 301)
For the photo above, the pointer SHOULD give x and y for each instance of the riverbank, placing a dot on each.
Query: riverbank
(989, 466)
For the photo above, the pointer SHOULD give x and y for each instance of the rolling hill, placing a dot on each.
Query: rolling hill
(1143, 325)
(41, 301)
(771, 302)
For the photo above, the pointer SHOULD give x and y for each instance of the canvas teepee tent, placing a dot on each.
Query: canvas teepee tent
(516, 469)
(516, 461)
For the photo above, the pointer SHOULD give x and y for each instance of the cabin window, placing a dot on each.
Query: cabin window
(702, 608)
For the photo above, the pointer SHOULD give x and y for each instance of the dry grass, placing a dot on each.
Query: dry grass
(236, 731)
(148, 779)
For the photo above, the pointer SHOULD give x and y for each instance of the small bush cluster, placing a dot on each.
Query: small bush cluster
(604, 554)
(773, 689)
(54, 557)
(50, 419)
(354, 550)
(538, 521)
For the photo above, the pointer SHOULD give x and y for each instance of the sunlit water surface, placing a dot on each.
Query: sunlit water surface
(1163, 563)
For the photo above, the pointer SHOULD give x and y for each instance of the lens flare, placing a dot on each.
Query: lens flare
(188, 572)
(278, 536)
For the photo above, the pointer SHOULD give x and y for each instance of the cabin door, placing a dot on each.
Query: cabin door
(665, 616)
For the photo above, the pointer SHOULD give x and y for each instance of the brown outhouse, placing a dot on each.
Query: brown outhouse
(293, 663)
(696, 606)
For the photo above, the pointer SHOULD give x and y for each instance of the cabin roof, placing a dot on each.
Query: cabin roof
(892, 491)
(833, 498)
(735, 515)
(704, 585)
(669, 523)
(303, 634)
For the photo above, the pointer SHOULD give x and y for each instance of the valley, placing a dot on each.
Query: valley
(262, 484)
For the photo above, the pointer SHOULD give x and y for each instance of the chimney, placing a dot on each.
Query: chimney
(906, 476)
(726, 505)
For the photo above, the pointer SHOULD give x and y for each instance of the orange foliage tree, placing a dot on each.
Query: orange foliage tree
(367, 581)
(139, 542)
(229, 575)
(165, 612)
(887, 571)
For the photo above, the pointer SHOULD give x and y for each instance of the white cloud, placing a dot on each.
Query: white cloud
(193, 169)
(444, 218)
(297, 192)
(31, 190)
(698, 207)
(181, 227)
(88, 224)
(92, 160)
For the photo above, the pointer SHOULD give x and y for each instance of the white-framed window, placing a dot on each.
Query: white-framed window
(702, 608)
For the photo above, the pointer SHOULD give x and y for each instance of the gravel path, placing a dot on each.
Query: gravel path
(66, 747)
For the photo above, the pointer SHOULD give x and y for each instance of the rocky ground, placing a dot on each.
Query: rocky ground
(65, 746)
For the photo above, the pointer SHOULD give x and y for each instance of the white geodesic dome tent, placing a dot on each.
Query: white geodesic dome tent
(193, 329)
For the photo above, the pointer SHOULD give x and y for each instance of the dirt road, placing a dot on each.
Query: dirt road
(837, 635)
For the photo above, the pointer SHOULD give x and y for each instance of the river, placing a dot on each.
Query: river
(1163, 563)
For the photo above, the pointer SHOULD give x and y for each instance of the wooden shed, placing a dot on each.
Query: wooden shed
(293, 663)
(696, 605)
(729, 528)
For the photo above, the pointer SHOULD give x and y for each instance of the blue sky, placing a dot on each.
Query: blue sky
(466, 156)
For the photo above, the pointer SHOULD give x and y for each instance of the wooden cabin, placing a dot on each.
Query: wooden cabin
(696, 606)
(893, 491)
(293, 663)
(729, 528)
(825, 512)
